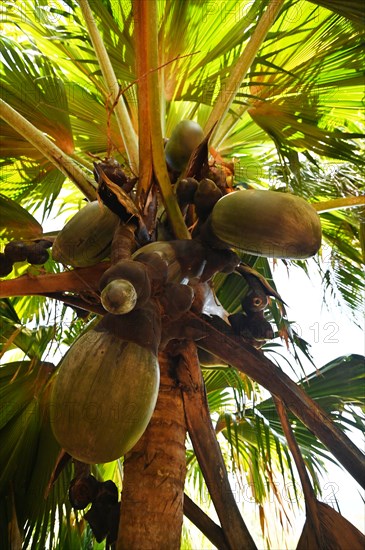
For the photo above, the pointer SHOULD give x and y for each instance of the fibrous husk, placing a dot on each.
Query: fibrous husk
(336, 533)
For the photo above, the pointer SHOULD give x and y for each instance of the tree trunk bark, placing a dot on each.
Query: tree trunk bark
(208, 451)
(154, 474)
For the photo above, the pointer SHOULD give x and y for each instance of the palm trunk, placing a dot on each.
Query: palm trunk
(154, 475)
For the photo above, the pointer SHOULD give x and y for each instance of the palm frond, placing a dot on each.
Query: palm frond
(338, 388)
(353, 10)
(32, 85)
(293, 82)
(29, 450)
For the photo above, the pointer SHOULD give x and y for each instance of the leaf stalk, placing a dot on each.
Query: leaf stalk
(121, 113)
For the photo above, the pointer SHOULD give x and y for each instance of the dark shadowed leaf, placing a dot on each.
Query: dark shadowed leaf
(16, 222)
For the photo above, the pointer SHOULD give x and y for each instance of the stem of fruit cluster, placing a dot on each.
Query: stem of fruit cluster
(146, 21)
(53, 153)
(123, 243)
(123, 119)
(144, 138)
(243, 64)
(84, 279)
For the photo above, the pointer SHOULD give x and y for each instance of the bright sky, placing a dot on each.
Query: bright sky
(331, 334)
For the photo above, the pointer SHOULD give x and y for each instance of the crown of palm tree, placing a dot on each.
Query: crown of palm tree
(279, 86)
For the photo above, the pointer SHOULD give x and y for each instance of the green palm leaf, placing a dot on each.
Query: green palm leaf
(29, 450)
(338, 388)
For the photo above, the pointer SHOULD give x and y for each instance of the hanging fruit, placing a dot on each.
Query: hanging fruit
(185, 258)
(119, 297)
(185, 137)
(86, 238)
(34, 252)
(82, 491)
(106, 388)
(114, 171)
(185, 190)
(176, 299)
(16, 251)
(267, 223)
(253, 326)
(37, 254)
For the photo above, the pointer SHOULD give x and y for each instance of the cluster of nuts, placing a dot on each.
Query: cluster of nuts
(33, 252)
(203, 195)
(103, 515)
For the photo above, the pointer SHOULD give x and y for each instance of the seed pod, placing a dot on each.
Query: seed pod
(185, 137)
(223, 260)
(37, 254)
(103, 397)
(185, 191)
(82, 491)
(107, 493)
(185, 258)
(6, 265)
(254, 301)
(97, 517)
(16, 251)
(86, 238)
(256, 298)
(259, 327)
(267, 223)
(119, 297)
(205, 198)
(113, 522)
(156, 267)
(44, 243)
(251, 326)
(106, 387)
(113, 170)
(176, 299)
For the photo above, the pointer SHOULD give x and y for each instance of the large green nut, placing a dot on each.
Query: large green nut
(103, 396)
(267, 223)
(185, 137)
(86, 239)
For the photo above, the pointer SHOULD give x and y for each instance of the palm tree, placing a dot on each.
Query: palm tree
(273, 80)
